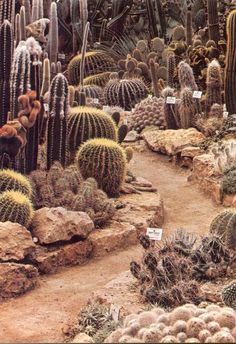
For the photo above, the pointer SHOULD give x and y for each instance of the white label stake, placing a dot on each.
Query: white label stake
(170, 100)
(197, 94)
(115, 312)
(155, 233)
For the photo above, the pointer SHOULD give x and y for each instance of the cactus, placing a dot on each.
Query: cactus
(28, 17)
(178, 33)
(189, 29)
(11, 180)
(187, 108)
(228, 295)
(213, 20)
(224, 226)
(57, 121)
(91, 91)
(154, 78)
(171, 70)
(125, 93)
(186, 77)
(170, 111)
(96, 62)
(7, 11)
(100, 79)
(46, 77)
(53, 34)
(15, 207)
(22, 24)
(129, 153)
(214, 85)
(105, 161)
(37, 10)
(228, 184)
(86, 123)
(6, 43)
(230, 75)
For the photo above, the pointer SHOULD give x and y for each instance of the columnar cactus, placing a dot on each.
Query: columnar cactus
(20, 77)
(171, 70)
(57, 121)
(104, 160)
(154, 78)
(186, 77)
(11, 180)
(46, 77)
(224, 226)
(28, 17)
(213, 20)
(37, 10)
(6, 43)
(230, 69)
(214, 85)
(187, 108)
(170, 110)
(53, 34)
(15, 207)
(229, 295)
(7, 11)
(189, 29)
(22, 24)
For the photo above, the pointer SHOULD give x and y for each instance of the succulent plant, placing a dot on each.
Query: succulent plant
(53, 33)
(187, 108)
(170, 110)
(224, 225)
(186, 76)
(214, 85)
(11, 180)
(105, 161)
(15, 207)
(228, 295)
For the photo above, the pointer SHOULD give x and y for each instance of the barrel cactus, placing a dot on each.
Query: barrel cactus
(105, 161)
(86, 123)
(15, 207)
(229, 295)
(224, 225)
(11, 180)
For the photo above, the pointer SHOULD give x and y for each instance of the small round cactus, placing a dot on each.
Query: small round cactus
(15, 207)
(229, 295)
(11, 180)
(224, 225)
(104, 160)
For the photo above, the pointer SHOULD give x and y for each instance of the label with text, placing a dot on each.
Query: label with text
(197, 94)
(170, 100)
(154, 233)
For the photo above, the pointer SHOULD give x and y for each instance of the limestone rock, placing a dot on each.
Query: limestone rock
(142, 182)
(51, 225)
(82, 338)
(48, 260)
(172, 142)
(15, 242)
(16, 279)
(191, 152)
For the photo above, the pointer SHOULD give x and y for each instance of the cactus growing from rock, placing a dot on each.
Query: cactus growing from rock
(57, 121)
(213, 20)
(228, 295)
(214, 85)
(224, 226)
(105, 161)
(15, 207)
(11, 180)
(86, 123)
(230, 68)
(53, 34)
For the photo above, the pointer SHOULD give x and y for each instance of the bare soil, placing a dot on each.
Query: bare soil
(39, 316)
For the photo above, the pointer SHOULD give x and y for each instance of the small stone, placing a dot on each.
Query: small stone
(82, 338)
(141, 182)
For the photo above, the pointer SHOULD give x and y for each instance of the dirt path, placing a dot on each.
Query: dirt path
(39, 315)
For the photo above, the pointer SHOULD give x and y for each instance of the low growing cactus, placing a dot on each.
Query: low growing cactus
(11, 180)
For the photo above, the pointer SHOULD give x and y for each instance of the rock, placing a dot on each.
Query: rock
(48, 260)
(141, 182)
(16, 279)
(132, 136)
(51, 225)
(15, 242)
(82, 338)
(172, 142)
(191, 152)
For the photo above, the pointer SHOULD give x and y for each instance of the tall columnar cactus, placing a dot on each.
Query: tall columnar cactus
(6, 44)
(187, 108)
(53, 34)
(171, 70)
(214, 85)
(186, 77)
(11, 180)
(213, 20)
(15, 207)
(86, 123)
(170, 111)
(20, 77)
(230, 70)
(104, 160)
(46, 77)
(7, 11)
(57, 121)
(22, 24)
(224, 226)
(37, 10)
(154, 78)
(189, 28)
(79, 18)
(28, 17)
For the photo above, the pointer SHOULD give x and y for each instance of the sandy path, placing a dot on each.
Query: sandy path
(39, 316)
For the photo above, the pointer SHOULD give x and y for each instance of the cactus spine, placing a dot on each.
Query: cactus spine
(57, 121)
(53, 34)
(230, 70)
(213, 20)
(171, 70)
(214, 84)
(6, 43)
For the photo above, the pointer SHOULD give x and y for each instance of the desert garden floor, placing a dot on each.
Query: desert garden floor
(39, 316)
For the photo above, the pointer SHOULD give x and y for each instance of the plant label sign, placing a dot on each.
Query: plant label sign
(155, 233)
(225, 114)
(150, 96)
(46, 107)
(96, 101)
(61, 56)
(105, 108)
(197, 94)
(125, 121)
(115, 312)
(170, 100)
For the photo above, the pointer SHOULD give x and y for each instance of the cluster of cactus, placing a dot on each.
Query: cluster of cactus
(105, 161)
(185, 324)
(228, 295)
(124, 93)
(147, 113)
(224, 226)
(169, 274)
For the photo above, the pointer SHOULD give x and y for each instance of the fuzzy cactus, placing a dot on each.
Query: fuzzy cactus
(11, 180)
(86, 123)
(186, 77)
(214, 85)
(230, 68)
(105, 161)
(228, 295)
(224, 225)
(6, 42)
(15, 207)
(170, 110)
(187, 108)
(57, 121)
(53, 34)
(213, 20)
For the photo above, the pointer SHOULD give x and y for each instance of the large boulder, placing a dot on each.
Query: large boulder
(16, 279)
(51, 225)
(172, 142)
(15, 242)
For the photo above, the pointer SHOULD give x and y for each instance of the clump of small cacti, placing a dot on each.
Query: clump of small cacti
(228, 295)
(15, 207)
(224, 225)
(185, 324)
(11, 180)
(148, 112)
(105, 161)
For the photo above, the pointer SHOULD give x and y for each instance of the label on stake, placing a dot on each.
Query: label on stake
(197, 94)
(46, 106)
(225, 114)
(155, 233)
(105, 108)
(115, 312)
(96, 101)
(61, 56)
(170, 100)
